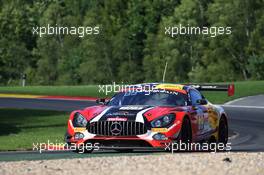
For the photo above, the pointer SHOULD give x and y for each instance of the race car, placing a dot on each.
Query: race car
(151, 115)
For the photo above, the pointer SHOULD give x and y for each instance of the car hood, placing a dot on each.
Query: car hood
(132, 113)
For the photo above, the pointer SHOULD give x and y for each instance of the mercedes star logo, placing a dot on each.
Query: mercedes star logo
(115, 128)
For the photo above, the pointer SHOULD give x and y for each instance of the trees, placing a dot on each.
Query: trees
(132, 45)
(182, 51)
(237, 49)
(16, 41)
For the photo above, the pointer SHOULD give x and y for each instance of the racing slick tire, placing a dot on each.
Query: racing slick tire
(222, 137)
(223, 131)
(185, 135)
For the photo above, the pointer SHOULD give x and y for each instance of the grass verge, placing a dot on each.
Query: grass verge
(245, 88)
(242, 89)
(89, 90)
(20, 128)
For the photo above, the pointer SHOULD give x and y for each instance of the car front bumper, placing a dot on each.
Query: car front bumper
(143, 141)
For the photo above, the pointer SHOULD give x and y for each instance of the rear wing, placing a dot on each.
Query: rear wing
(230, 88)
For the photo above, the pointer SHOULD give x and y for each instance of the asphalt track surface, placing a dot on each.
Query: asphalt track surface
(246, 122)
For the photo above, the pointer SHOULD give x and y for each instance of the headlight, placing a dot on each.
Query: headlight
(79, 120)
(163, 121)
(78, 136)
(157, 123)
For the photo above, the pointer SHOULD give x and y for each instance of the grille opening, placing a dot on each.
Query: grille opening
(117, 128)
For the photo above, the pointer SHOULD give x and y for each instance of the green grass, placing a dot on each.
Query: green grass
(89, 90)
(242, 89)
(245, 88)
(20, 128)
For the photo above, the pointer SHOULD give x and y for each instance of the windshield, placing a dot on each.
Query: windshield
(153, 98)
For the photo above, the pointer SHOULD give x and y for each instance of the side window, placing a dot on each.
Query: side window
(195, 95)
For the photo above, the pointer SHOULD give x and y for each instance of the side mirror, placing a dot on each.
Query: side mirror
(100, 101)
(201, 101)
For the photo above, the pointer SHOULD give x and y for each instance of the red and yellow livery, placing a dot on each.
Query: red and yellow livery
(151, 116)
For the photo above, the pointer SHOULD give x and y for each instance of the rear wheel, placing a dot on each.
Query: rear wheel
(223, 131)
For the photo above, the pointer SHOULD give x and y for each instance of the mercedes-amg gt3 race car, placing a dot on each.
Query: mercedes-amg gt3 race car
(150, 116)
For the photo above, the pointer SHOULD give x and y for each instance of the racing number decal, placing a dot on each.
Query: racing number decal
(200, 117)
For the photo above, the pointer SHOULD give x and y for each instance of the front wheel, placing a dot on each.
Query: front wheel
(185, 135)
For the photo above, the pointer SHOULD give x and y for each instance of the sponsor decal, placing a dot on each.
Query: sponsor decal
(170, 86)
(131, 108)
(79, 129)
(159, 129)
(117, 119)
(120, 113)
